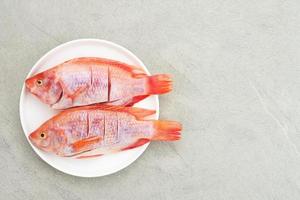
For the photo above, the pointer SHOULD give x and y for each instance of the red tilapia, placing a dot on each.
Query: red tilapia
(105, 128)
(87, 80)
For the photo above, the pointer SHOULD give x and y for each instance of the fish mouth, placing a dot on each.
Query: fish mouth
(35, 144)
(28, 83)
(31, 139)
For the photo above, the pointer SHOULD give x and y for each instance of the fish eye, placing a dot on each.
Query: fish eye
(43, 135)
(39, 82)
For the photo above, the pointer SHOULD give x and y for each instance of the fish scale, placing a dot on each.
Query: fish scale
(74, 125)
(111, 134)
(119, 80)
(105, 128)
(85, 81)
(98, 90)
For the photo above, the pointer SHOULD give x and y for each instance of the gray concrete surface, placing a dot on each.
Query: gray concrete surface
(236, 67)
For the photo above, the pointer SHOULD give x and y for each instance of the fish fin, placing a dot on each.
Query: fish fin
(166, 130)
(89, 153)
(139, 113)
(77, 92)
(134, 70)
(71, 94)
(83, 144)
(89, 156)
(136, 74)
(138, 143)
(159, 84)
(130, 68)
(137, 99)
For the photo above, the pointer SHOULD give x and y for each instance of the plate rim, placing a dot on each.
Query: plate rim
(62, 45)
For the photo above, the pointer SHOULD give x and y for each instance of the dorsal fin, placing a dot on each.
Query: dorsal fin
(139, 113)
(134, 70)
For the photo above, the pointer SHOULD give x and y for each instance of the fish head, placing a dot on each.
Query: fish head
(45, 87)
(48, 139)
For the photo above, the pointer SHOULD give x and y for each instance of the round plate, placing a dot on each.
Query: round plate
(33, 112)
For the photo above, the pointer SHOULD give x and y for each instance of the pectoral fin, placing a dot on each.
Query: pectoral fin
(85, 144)
(77, 92)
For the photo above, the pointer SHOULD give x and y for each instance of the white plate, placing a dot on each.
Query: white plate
(33, 112)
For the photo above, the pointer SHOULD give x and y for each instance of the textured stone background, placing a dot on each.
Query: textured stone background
(236, 67)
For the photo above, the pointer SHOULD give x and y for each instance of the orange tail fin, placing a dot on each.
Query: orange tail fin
(159, 84)
(166, 130)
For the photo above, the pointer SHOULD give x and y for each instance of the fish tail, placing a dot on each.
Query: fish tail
(166, 130)
(159, 84)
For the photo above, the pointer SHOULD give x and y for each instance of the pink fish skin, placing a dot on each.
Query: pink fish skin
(87, 80)
(108, 129)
